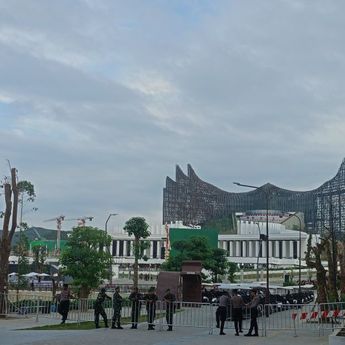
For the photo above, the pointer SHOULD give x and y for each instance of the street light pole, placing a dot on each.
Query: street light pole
(267, 195)
(259, 254)
(300, 252)
(106, 231)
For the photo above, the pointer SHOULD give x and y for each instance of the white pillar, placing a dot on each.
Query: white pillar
(231, 248)
(124, 248)
(291, 249)
(238, 250)
(158, 249)
(284, 249)
(271, 248)
(251, 245)
(263, 249)
(257, 248)
(151, 249)
(244, 249)
(277, 249)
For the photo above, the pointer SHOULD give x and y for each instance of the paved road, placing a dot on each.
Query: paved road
(10, 335)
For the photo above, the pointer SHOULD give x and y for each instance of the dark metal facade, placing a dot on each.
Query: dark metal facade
(194, 201)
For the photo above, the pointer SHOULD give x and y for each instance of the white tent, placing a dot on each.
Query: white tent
(31, 274)
(12, 274)
(43, 275)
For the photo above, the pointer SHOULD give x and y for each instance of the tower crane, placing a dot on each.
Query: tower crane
(81, 220)
(59, 221)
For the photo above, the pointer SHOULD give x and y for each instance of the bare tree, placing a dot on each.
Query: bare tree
(9, 226)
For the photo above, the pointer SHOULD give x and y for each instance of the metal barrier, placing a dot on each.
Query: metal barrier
(297, 317)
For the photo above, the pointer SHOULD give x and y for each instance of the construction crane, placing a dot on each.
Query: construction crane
(58, 221)
(81, 220)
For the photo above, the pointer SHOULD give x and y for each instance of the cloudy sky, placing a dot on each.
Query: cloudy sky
(99, 100)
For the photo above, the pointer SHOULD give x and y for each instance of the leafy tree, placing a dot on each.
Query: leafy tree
(22, 251)
(217, 264)
(198, 248)
(27, 193)
(138, 227)
(232, 269)
(40, 255)
(83, 260)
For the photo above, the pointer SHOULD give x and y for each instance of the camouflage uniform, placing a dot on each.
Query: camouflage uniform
(135, 298)
(151, 299)
(99, 309)
(169, 299)
(117, 306)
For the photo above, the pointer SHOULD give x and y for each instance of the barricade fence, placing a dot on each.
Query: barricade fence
(296, 317)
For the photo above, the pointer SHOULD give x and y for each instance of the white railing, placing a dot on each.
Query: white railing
(297, 317)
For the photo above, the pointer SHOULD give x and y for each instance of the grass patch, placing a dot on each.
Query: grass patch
(84, 325)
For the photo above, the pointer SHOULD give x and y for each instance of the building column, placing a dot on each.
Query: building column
(231, 248)
(277, 249)
(257, 248)
(244, 248)
(271, 248)
(151, 249)
(159, 246)
(291, 249)
(238, 250)
(263, 249)
(284, 249)
(124, 247)
(250, 249)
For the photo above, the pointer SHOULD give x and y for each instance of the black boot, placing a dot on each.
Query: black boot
(119, 326)
(113, 325)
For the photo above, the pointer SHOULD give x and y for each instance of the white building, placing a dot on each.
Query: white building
(241, 248)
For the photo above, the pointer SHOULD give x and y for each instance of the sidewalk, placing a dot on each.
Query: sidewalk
(10, 335)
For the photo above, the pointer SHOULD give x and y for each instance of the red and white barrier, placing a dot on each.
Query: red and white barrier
(313, 315)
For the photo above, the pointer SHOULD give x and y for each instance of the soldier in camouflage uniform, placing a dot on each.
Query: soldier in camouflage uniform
(151, 299)
(117, 306)
(99, 309)
(135, 298)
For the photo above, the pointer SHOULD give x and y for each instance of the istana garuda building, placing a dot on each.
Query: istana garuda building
(193, 201)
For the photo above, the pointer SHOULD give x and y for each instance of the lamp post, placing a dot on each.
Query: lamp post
(266, 238)
(106, 222)
(259, 254)
(300, 251)
(106, 231)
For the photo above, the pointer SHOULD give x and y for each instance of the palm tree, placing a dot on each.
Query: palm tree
(137, 227)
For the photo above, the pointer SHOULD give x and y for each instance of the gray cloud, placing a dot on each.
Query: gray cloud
(100, 99)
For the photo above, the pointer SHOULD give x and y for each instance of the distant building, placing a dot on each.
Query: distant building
(193, 201)
(242, 247)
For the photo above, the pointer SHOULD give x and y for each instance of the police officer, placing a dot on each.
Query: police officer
(237, 305)
(151, 299)
(253, 305)
(117, 306)
(99, 309)
(135, 298)
(169, 299)
(221, 312)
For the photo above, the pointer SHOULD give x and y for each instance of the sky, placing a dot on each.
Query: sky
(99, 100)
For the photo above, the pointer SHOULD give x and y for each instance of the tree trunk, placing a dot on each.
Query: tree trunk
(315, 262)
(83, 295)
(136, 264)
(341, 256)
(332, 289)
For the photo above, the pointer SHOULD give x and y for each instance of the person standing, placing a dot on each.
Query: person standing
(135, 298)
(99, 309)
(253, 305)
(117, 306)
(151, 299)
(237, 305)
(169, 299)
(224, 302)
(64, 302)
